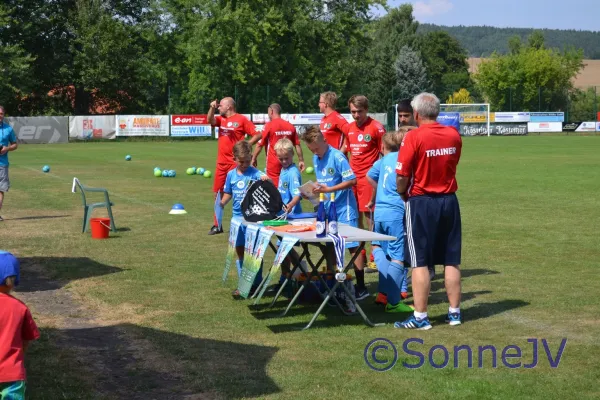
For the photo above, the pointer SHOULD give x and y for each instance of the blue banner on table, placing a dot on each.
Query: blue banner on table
(253, 262)
(234, 230)
(450, 119)
(286, 245)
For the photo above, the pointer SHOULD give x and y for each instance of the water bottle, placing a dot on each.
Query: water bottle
(332, 220)
(321, 219)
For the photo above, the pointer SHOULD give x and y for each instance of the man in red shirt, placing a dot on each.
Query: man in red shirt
(333, 126)
(426, 180)
(233, 127)
(17, 329)
(364, 142)
(276, 129)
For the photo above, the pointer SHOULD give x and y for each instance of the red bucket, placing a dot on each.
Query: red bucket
(100, 228)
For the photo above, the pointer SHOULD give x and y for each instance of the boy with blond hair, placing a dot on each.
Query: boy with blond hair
(17, 329)
(290, 179)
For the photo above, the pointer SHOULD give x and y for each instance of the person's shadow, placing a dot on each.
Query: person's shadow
(132, 362)
(41, 273)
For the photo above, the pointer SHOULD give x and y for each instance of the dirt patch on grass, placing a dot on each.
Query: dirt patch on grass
(107, 353)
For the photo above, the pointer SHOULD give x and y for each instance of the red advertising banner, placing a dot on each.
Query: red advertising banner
(190, 119)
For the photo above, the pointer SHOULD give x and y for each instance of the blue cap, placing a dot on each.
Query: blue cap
(9, 266)
(178, 206)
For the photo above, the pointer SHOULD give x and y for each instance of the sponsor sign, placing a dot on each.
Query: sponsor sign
(570, 126)
(586, 127)
(598, 127)
(191, 131)
(193, 119)
(511, 117)
(190, 125)
(142, 125)
(261, 118)
(93, 127)
(315, 119)
(498, 129)
(547, 117)
(545, 126)
(304, 119)
(40, 130)
(473, 117)
(449, 119)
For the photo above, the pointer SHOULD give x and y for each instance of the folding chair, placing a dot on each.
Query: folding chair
(89, 207)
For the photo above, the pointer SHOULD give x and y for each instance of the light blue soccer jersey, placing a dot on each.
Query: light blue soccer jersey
(237, 184)
(389, 206)
(289, 182)
(332, 170)
(7, 136)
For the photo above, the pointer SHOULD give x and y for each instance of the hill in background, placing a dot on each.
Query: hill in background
(481, 41)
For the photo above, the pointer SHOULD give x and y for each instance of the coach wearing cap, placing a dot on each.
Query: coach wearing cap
(426, 179)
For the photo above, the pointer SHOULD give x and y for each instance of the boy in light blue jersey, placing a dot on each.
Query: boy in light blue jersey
(389, 220)
(236, 184)
(334, 175)
(290, 179)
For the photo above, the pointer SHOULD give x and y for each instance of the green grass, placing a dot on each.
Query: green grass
(163, 326)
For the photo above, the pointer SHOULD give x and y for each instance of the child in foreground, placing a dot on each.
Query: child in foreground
(389, 220)
(17, 329)
(236, 184)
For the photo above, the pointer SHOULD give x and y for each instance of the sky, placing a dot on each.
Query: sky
(570, 14)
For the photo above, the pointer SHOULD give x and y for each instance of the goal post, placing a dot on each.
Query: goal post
(476, 113)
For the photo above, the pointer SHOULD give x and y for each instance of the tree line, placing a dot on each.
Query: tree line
(79, 57)
(482, 41)
(152, 56)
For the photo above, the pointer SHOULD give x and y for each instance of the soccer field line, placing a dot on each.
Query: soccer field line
(112, 193)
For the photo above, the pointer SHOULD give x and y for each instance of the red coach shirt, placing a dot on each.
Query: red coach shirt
(334, 127)
(16, 326)
(365, 145)
(273, 132)
(231, 131)
(429, 155)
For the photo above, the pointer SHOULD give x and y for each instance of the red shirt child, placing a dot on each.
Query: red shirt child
(17, 328)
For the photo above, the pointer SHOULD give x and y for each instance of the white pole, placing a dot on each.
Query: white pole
(488, 119)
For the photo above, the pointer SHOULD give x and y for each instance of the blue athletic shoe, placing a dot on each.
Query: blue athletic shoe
(453, 319)
(413, 323)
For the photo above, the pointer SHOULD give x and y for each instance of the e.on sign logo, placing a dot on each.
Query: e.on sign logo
(196, 119)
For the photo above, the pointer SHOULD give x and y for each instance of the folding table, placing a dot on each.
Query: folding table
(325, 244)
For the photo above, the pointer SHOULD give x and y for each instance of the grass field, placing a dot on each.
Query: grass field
(143, 315)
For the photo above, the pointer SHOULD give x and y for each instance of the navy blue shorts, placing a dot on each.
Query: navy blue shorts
(433, 230)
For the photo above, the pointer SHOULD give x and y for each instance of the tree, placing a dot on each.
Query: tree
(411, 75)
(536, 40)
(15, 67)
(393, 31)
(532, 79)
(446, 63)
(84, 51)
(514, 45)
(238, 48)
(583, 104)
(114, 59)
(460, 97)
